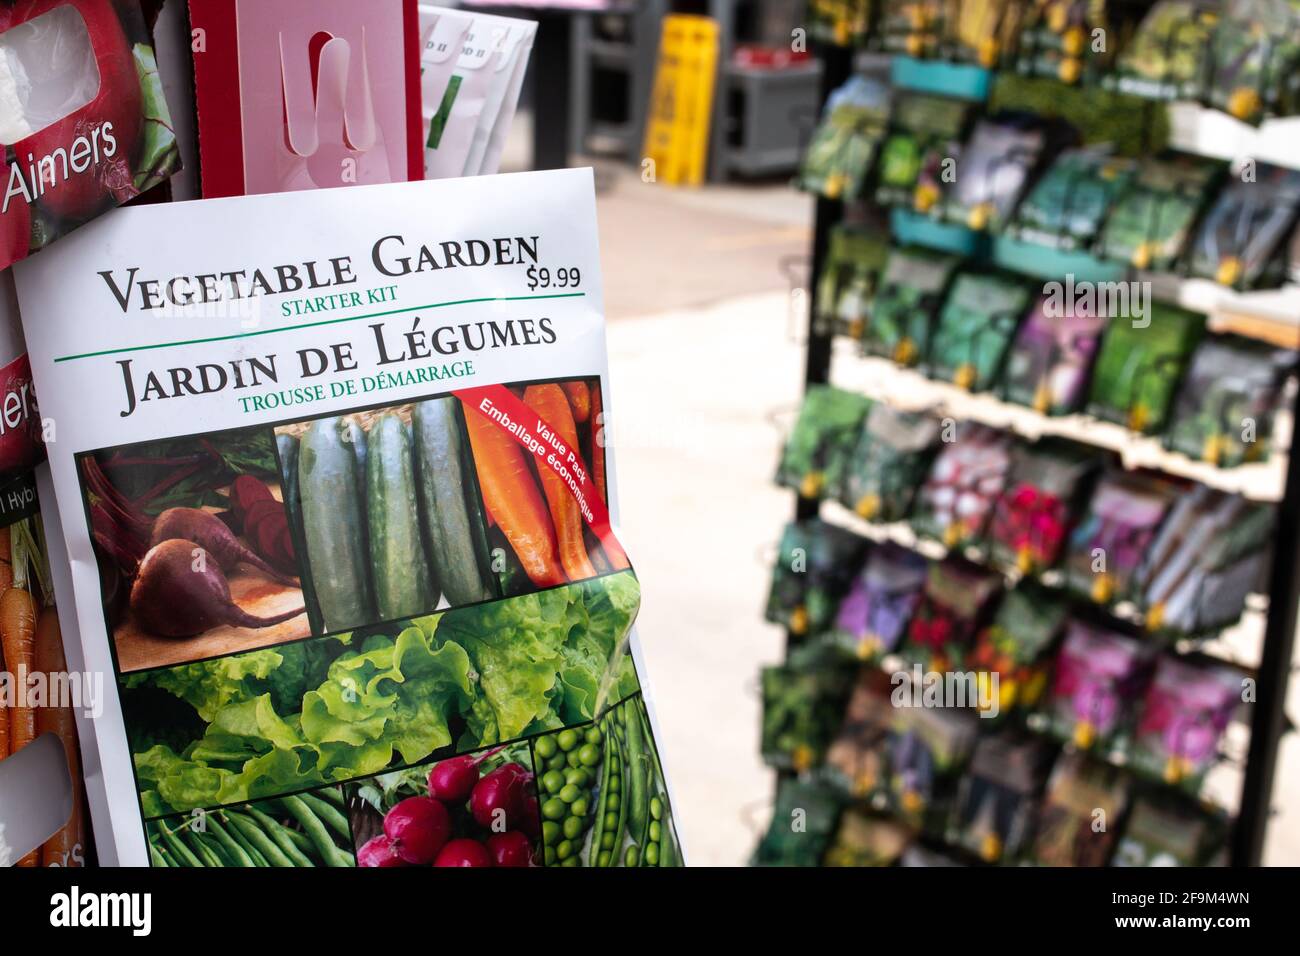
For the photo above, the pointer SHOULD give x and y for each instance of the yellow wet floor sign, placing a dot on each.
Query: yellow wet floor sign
(681, 103)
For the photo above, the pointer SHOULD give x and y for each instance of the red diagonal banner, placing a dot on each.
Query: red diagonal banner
(554, 450)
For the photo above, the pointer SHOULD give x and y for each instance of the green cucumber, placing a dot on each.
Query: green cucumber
(332, 526)
(287, 445)
(455, 532)
(401, 575)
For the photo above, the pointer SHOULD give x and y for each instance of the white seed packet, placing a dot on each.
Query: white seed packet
(337, 500)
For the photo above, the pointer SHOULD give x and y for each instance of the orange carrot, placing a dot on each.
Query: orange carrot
(617, 558)
(511, 496)
(68, 845)
(579, 400)
(549, 402)
(17, 632)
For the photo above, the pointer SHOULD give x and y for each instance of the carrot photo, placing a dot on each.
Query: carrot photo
(195, 554)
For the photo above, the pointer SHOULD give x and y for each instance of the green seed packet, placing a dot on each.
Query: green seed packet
(1168, 57)
(890, 460)
(1059, 39)
(864, 840)
(814, 570)
(1255, 57)
(840, 22)
(1141, 364)
(1151, 222)
(1163, 831)
(1225, 409)
(1209, 555)
(803, 705)
(924, 130)
(913, 27)
(803, 820)
(994, 166)
(818, 449)
(843, 148)
(1239, 241)
(976, 325)
(901, 315)
(855, 261)
(1066, 208)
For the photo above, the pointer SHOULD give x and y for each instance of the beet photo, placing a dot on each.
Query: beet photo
(110, 124)
(208, 531)
(179, 594)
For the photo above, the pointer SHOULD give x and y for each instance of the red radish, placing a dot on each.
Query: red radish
(452, 781)
(179, 593)
(501, 796)
(464, 853)
(378, 851)
(209, 531)
(417, 828)
(511, 848)
(114, 117)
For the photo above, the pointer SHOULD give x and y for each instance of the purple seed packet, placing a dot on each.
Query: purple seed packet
(1051, 357)
(1183, 718)
(1100, 675)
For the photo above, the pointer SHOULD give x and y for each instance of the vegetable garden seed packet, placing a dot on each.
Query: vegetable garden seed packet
(843, 147)
(923, 128)
(976, 324)
(1100, 677)
(981, 32)
(1168, 57)
(1210, 554)
(84, 113)
(814, 569)
(995, 163)
(1151, 222)
(854, 263)
(1067, 206)
(840, 22)
(901, 315)
(803, 820)
(817, 452)
(284, 608)
(1225, 409)
(1016, 647)
(856, 760)
(1141, 364)
(803, 705)
(1254, 50)
(1244, 230)
(1056, 40)
(1048, 364)
(875, 613)
(1162, 832)
(890, 460)
(1079, 818)
(864, 840)
(954, 606)
(994, 812)
(965, 480)
(1109, 544)
(1186, 710)
(913, 27)
(1036, 509)
(927, 747)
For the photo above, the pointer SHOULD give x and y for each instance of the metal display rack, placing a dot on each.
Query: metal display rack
(1267, 718)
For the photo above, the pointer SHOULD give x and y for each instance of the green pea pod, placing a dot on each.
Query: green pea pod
(668, 852)
(598, 830)
(237, 854)
(254, 835)
(280, 836)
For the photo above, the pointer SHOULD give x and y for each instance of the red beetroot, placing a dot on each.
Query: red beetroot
(463, 853)
(378, 851)
(417, 829)
(116, 113)
(452, 781)
(210, 532)
(505, 789)
(511, 848)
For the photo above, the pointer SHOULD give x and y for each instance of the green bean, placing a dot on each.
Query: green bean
(214, 847)
(280, 835)
(329, 814)
(156, 858)
(334, 795)
(234, 850)
(254, 834)
(179, 849)
(312, 826)
(206, 857)
(237, 835)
